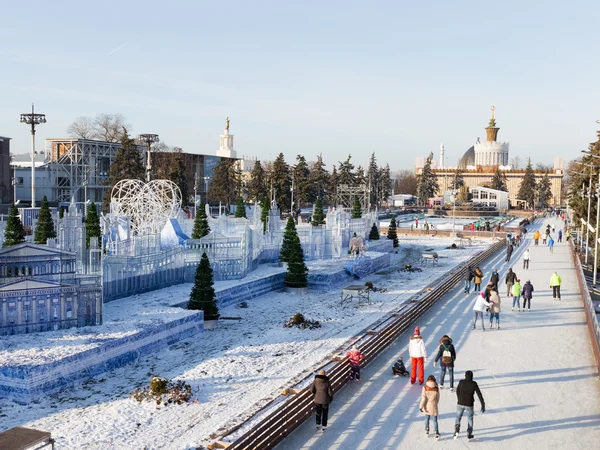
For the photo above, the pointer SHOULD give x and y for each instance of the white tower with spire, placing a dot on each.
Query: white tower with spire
(442, 155)
(226, 148)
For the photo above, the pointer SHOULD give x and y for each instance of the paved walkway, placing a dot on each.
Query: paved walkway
(536, 374)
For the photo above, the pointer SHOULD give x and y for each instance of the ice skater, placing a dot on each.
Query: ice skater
(495, 308)
(551, 244)
(465, 393)
(478, 276)
(447, 354)
(418, 355)
(481, 304)
(511, 277)
(355, 357)
(526, 259)
(509, 251)
(322, 397)
(555, 282)
(468, 278)
(430, 398)
(516, 293)
(527, 293)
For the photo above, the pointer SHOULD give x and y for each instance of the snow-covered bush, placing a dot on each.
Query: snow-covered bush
(299, 321)
(167, 392)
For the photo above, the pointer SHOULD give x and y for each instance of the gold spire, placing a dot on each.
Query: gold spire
(493, 108)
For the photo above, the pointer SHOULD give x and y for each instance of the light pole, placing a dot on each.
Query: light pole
(149, 139)
(33, 119)
(587, 152)
(589, 196)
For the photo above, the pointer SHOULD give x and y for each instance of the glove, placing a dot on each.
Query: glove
(421, 409)
(434, 363)
(483, 409)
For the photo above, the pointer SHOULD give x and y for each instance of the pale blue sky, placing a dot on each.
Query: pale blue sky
(331, 77)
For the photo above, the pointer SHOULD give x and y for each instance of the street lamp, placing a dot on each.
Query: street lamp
(33, 119)
(589, 196)
(149, 139)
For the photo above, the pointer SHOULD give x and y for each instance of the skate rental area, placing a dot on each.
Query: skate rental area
(537, 373)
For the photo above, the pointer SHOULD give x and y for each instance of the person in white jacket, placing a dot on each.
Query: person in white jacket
(526, 259)
(481, 304)
(418, 355)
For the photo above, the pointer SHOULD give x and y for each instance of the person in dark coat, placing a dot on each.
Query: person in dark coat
(468, 278)
(527, 294)
(511, 277)
(322, 396)
(465, 393)
(509, 250)
(447, 354)
(495, 278)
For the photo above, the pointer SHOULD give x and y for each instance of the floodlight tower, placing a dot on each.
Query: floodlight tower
(149, 139)
(33, 119)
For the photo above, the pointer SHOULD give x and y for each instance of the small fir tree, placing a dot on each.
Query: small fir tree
(297, 272)
(499, 181)
(45, 225)
(318, 218)
(240, 209)
(14, 233)
(544, 193)
(288, 240)
(61, 212)
(201, 227)
(203, 293)
(458, 180)
(265, 207)
(374, 233)
(392, 232)
(356, 209)
(427, 184)
(92, 225)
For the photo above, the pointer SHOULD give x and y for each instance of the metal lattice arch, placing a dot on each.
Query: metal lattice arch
(147, 205)
(346, 194)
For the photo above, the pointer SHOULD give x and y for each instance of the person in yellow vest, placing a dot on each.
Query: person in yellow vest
(555, 281)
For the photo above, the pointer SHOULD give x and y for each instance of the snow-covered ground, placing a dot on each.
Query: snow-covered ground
(439, 223)
(536, 374)
(234, 370)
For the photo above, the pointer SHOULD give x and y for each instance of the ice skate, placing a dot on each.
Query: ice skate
(437, 436)
(318, 427)
(470, 437)
(427, 431)
(324, 427)
(456, 430)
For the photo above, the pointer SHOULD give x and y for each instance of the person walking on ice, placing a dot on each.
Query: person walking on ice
(559, 235)
(526, 259)
(555, 281)
(430, 398)
(527, 293)
(511, 277)
(509, 251)
(551, 244)
(418, 355)
(495, 308)
(481, 304)
(465, 393)
(468, 278)
(447, 353)
(516, 293)
(355, 357)
(536, 237)
(322, 397)
(478, 274)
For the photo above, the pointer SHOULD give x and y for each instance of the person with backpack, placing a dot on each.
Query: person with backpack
(511, 277)
(527, 293)
(447, 354)
(418, 355)
(430, 398)
(465, 393)
(526, 256)
(551, 244)
(516, 293)
(468, 279)
(555, 281)
(322, 397)
(478, 276)
(481, 304)
(355, 357)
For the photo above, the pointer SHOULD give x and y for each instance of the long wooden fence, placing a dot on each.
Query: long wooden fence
(292, 412)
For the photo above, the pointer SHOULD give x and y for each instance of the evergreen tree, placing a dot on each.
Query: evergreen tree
(201, 227)
(288, 240)
(318, 180)
(301, 181)
(384, 185)
(14, 233)
(374, 233)
(240, 208)
(61, 212)
(318, 218)
(45, 225)
(392, 232)
(427, 185)
(332, 191)
(346, 173)
(356, 209)
(203, 295)
(177, 174)
(297, 272)
(373, 179)
(226, 182)
(361, 178)
(528, 187)
(281, 182)
(127, 165)
(458, 180)
(257, 187)
(544, 191)
(265, 207)
(499, 181)
(92, 225)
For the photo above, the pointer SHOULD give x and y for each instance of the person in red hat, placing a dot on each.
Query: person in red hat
(418, 356)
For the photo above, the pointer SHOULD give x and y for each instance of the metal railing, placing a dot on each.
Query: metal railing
(292, 412)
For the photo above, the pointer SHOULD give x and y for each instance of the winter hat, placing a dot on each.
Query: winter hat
(322, 372)
(518, 281)
(417, 331)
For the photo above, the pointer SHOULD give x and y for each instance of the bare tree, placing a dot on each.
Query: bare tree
(405, 182)
(542, 166)
(82, 128)
(103, 127)
(515, 162)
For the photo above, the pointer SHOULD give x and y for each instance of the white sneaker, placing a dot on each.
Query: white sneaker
(324, 428)
(318, 427)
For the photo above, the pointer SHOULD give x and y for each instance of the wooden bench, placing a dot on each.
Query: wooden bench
(356, 291)
(428, 257)
(21, 438)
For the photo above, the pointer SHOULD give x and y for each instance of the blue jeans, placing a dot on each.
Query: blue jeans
(451, 372)
(516, 301)
(435, 423)
(460, 410)
(497, 316)
(467, 285)
(477, 313)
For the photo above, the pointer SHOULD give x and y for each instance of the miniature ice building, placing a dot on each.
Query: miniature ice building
(40, 291)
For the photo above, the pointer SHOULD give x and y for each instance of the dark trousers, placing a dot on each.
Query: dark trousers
(526, 303)
(322, 411)
(525, 264)
(354, 372)
(477, 287)
(508, 255)
(536, 241)
(556, 292)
